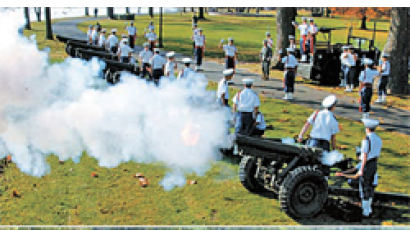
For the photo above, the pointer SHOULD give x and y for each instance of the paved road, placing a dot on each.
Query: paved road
(394, 119)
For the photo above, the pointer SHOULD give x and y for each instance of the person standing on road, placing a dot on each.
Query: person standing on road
(151, 38)
(384, 69)
(325, 126)
(265, 57)
(145, 56)
(195, 32)
(366, 79)
(112, 41)
(124, 52)
(94, 37)
(101, 39)
(199, 49)
(171, 65)
(223, 90)
(231, 54)
(132, 34)
(247, 103)
(303, 28)
(157, 66)
(290, 64)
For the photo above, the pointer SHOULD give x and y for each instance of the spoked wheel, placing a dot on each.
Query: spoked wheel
(303, 193)
(247, 170)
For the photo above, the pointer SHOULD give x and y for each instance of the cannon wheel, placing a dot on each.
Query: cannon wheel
(247, 170)
(303, 192)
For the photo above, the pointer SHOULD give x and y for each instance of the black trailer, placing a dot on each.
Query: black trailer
(296, 174)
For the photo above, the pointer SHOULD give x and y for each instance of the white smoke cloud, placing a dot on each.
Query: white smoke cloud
(65, 108)
(331, 158)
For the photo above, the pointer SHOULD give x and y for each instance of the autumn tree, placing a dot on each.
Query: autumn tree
(364, 13)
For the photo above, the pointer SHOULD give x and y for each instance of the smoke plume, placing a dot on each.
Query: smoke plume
(65, 108)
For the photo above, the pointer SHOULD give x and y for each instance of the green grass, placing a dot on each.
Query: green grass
(248, 32)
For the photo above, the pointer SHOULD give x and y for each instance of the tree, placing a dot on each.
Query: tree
(27, 17)
(398, 47)
(201, 13)
(37, 10)
(87, 12)
(49, 31)
(284, 28)
(110, 12)
(127, 10)
(160, 45)
(151, 11)
(364, 13)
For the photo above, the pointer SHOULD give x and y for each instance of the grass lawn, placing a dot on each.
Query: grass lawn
(68, 195)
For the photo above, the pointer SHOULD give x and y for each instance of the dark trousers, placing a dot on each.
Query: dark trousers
(366, 181)
(350, 76)
(145, 71)
(289, 81)
(319, 143)
(265, 67)
(366, 97)
(229, 63)
(198, 56)
(257, 132)
(156, 75)
(246, 123)
(383, 85)
(152, 46)
(131, 40)
(114, 49)
(125, 59)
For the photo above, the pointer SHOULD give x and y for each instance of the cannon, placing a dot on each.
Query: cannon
(295, 175)
(87, 54)
(66, 39)
(72, 45)
(113, 70)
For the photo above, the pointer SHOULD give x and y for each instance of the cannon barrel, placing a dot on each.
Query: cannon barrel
(88, 54)
(120, 66)
(66, 39)
(76, 44)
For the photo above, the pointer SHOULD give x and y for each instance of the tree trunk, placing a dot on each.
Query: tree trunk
(127, 10)
(192, 9)
(87, 12)
(257, 10)
(38, 13)
(363, 24)
(110, 12)
(397, 46)
(284, 28)
(49, 31)
(160, 44)
(151, 11)
(184, 9)
(27, 17)
(248, 9)
(201, 13)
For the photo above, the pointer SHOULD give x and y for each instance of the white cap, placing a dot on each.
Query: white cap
(370, 123)
(230, 39)
(124, 36)
(289, 49)
(170, 54)
(227, 72)
(247, 81)
(291, 37)
(329, 101)
(345, 47)
(113, 30)
(103, 30)
(186, 60)
(199, 29)
(386, 55)
(367, 61)
(267, 33)
(146, 44)
(156, 50)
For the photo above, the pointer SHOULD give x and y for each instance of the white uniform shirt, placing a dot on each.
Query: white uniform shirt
(169, 69)
(375, 146)
(260, 120)
(368, 75)
(270, 42)
(246, 100)
(290, 61)
(146, 55)
(101, 40)
(312, 29)
(385, 67)
(185, 72)
(112, 41)
(347, 59)
(89, 32)
(151, 36)
(124, 50)
(324, 125)
(222, 89)
(195, 33)
(132, 30)
(157, 62)
(230, 50)
(199, 40)
(303, 28)
(151, 27)
(94, 35)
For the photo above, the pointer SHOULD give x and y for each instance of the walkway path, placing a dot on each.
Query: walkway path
(394, 119)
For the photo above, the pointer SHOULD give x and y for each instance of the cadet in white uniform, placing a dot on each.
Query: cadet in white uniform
(223, 90)
(152, 39)
(231, 54)
(325, 126)
(101, 39)
(171, 65)
(184, 73)
(112, 41)
(370, 152)
(384, 69)
(259, 125)
(269, 39)
(366, 79)
(157, 66)
(312, 32)
(195, 32)
(247, 103)
(292, 43)
(348, 64)
(94, 37)
(290, 64)
(124, 52)
(132, 34)
(199, 40)
(145, 57)
(151, 26)
(303, 28)
(89, 32)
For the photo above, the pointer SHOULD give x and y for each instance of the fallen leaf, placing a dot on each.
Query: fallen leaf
(16, 193)
(191, 182)
(94, 174)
